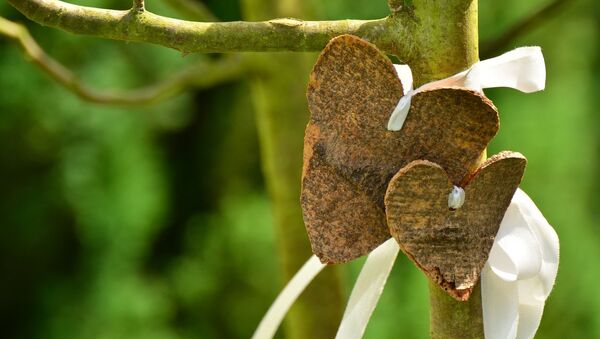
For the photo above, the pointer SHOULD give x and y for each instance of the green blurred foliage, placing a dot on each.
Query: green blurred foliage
(153, 222)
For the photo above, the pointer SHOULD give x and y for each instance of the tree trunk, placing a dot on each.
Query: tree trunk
(448, 35)
(282, 115)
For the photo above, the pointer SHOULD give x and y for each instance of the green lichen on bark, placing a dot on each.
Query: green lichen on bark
(443, 37)
(451, 319)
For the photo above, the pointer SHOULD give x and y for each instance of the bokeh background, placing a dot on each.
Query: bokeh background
(154, 221)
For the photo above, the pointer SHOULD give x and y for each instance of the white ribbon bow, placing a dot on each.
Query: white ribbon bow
(522, 69)
(519, 273)
(523, 261)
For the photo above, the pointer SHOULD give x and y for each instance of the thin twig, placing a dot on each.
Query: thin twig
(193, 10)
(524, 26)
(200, 75)
(138, 5)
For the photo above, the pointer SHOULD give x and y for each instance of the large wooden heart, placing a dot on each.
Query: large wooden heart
(350, 156)
(451, 246)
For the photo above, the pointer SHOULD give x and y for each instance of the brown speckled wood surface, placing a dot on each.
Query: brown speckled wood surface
(350, 156)
(451, 247)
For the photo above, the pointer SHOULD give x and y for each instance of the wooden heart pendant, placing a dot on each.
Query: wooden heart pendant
(350, 156)
(451, 246)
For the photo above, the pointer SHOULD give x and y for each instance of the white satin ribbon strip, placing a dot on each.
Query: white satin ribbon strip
(520, 272)
(522, 69)
(406, 78)
(367, 290)
(361, 304)
(401, 110)
(274, 316)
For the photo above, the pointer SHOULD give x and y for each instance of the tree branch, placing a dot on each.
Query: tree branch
(200, 75)
(188, 36)
(194, 10)
(524, 26)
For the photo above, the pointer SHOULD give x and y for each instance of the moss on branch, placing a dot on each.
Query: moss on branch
(188, 36)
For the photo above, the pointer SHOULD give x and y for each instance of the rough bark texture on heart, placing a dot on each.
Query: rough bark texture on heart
(451, 246)
(350, 156)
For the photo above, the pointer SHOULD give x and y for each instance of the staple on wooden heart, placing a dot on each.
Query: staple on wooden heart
(451, 246)
(352, 91)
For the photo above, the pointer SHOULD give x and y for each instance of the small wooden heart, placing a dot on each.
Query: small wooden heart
(350, 156)
(451, 246)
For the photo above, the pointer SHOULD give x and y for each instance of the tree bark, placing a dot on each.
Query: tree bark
(451, 319)
(443, 35)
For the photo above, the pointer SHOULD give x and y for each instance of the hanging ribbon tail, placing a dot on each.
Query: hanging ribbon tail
(367, 290)
(500, 305)
(520, 272)
(547, 238)
(522, 69)
(530, 317)
(274, 316)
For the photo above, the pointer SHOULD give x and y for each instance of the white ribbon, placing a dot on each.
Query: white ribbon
(362, 302)
(522, 69)
(274, 316)
(367, 290)
(520, 272)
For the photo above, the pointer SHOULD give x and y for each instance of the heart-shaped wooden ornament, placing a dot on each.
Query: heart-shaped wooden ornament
(350, 156)
(451, 246)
